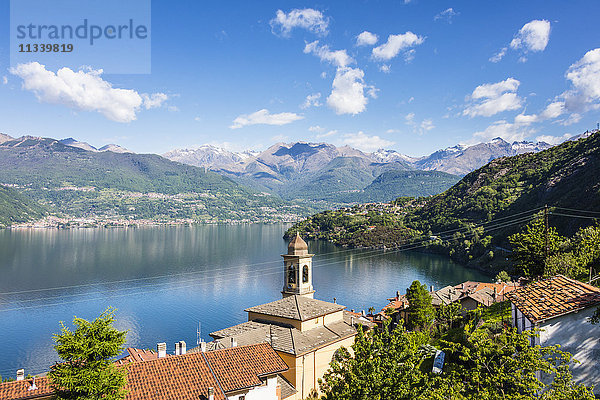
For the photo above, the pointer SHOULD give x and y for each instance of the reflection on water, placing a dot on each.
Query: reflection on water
(165, 280)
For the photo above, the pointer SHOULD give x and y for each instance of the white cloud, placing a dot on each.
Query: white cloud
(447, 15)
(390, 131)
(263, 117)
(498, 56)
(493, 98)
(395, 44)
(553, 110)
(279, 138)
(505, 130)
(197, 119)
(312, 100)
(553, 139)
(364, 142)
(154, 100)
(572, 119)
(4, 80)
(330, 133)
(385, 68)
(347, 94)
(585, 78)
(310, 19)
(84, 90)
(533, 36)
(410, 117)
(316, 128)
(427, 125)
(366, 39)
(339, 58)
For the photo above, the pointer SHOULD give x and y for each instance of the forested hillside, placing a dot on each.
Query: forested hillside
(15, 208)
(472, 220)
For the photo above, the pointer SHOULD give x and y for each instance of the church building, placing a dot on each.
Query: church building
(304, 331)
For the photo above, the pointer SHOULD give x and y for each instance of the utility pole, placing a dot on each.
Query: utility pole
(546, 228)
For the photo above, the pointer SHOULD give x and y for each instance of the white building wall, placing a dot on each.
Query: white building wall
(578, 336)
(265, 392)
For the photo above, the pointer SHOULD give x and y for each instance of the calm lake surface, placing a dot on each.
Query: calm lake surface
(165, 280)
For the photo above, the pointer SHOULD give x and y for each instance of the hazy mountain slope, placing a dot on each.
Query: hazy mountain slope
(16, 208)
(393, 184)
(78, 182)
(461, 160)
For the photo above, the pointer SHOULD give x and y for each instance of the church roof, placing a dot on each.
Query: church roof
(285, 339)
(297, 244)
(298, 308)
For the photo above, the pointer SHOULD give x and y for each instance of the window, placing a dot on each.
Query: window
(305, 274)
(292, 274)
(242, 397)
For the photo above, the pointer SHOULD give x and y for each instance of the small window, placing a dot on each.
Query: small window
(292, 274)
(305, 274)
(242, 397)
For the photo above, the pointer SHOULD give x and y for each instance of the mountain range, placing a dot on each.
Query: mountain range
(322, 171)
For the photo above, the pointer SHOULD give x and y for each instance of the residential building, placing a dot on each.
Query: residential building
(238, 373)
(561, 308)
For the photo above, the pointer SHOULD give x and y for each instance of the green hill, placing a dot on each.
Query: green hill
(16, 208)
(511, 190)
(79, 183)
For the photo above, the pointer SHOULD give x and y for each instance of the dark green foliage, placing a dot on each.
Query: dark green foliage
(16, 207)
(420, 313)
(394, 184)
(532, 247)
(480, 364)
(87, 371)
(502, 276)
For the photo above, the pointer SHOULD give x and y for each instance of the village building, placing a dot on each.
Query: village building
(561, 308)
(239, 373)
(305, 332)
(469, 294)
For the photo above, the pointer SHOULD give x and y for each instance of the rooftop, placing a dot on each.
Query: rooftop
(286, 339)
(297, 308)
(297, 246)
(184, 377)
(553, 297)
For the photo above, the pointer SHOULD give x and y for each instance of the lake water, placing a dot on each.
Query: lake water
(165, 280)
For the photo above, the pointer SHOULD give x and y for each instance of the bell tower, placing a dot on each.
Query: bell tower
(297, 267)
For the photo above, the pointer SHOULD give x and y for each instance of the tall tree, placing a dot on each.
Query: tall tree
(533, 246)
(420, 313)
(87, 371)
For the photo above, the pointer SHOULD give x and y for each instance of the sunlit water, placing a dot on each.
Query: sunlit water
(165, 280)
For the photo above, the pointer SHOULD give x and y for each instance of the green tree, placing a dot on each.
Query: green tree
(529, 248)
(502, 277)
(87, 371)
(420, 313)
(385, 366)
(447, 314)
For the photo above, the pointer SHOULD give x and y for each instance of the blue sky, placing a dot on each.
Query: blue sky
(244, 75)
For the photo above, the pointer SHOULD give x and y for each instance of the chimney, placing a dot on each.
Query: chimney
(397, 294)
(363, 313)
(21, 374)
(182, 347)
(203, 346)
(177, 349)
(431, 289)
(495, 293)
(233, 342)
(334, 300)
(161, 349)
(211, 393)
(32, 387)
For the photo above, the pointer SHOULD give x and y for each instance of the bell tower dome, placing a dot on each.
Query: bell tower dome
(297, 267)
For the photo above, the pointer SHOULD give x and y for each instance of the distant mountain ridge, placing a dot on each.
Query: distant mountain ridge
(86, 146)
(322, 171)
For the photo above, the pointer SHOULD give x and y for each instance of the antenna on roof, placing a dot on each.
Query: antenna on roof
(199, 334)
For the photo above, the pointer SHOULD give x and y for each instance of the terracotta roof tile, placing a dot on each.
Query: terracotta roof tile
(552, 297)
(241, 367)
(20, 389)
(185, 377)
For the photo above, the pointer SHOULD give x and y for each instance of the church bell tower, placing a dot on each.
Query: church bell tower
(297, 267)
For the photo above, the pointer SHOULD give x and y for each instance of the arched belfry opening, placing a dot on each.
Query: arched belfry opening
(297, 269)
